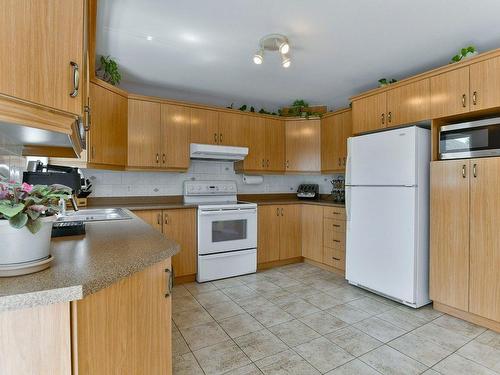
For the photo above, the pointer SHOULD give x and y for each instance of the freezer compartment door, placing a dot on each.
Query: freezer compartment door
(220, 266)
(384, 158)
(381, 248)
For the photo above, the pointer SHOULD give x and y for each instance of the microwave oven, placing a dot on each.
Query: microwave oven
(471, 139)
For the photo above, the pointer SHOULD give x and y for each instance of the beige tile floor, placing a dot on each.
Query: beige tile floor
(301, 320)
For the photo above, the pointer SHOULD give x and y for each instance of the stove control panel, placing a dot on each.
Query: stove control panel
(210, 188)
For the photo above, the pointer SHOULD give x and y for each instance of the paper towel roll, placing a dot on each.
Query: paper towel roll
(253, 180)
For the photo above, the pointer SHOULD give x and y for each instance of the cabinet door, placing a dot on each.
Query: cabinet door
(408, 103)
(312, 232)
(232, 127)
(303, 146)
(485, 84)
(39, 40)
(152, 217)
(346, 133)
(369, 113)
(204, 126)
(144, 133)
(180, 226)
(255, 140)
(485, 238)
(449, 233)
(175, 136)
(290, 231)
(330, 154)
(268, 234)
(275, 145)
(449, 93)
(126, 328)
(108, 134)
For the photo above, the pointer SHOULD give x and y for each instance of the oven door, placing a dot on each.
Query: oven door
(470, 140)
(226, 230)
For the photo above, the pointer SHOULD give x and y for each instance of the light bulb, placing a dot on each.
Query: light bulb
(258, 58)
(284, 48)
(149, 38)
(285, 61)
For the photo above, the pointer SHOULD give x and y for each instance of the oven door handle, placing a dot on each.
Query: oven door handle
(227, 254)
(229, 212)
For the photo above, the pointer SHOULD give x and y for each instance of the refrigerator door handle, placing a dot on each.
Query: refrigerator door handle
(348, 163)
(348, 203)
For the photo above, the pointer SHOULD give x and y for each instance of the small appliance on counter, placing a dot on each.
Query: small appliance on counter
(338, 189)
(308, 191)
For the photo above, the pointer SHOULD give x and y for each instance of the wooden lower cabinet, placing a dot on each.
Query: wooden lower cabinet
(465, 240)
(312, 232)
(126, 328)
(180, 226)
(334, 234)
(279, 232)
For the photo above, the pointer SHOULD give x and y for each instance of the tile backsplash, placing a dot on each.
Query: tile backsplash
(110, 183)
(12, 163)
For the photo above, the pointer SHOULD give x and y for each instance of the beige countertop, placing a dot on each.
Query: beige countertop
(86, 264)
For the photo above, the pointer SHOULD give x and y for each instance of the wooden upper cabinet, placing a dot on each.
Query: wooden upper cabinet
(312, 232)
(335, 130)
(484, 281)
(485, 84)
(255, 139)
(275, 145)
(204, 126)
(175, 136)
(303, 146)
(39, 40)
(449, 233)
(408, 103)
(180, 226)
(268, 248)
(107, 141)
(232, 127)
(450, 93)
(368, 113)
(290, 231)
(144, 133)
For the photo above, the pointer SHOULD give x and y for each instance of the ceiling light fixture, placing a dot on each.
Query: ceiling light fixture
(273, 42)
(149, 37)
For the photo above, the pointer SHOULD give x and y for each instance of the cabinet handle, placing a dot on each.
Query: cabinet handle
(170, 282)
(262, 163)
(220, 137)
(389, 117)
(336, 241)
(464, 171)
(163, 159)
(88, 118)
(157, 158)
(287, 164)
(166, 219)
(336, 258)
(474, 170)
(474, 97)
(158, 219)
(282, 211)
(76, 79)
(277, 211)
(463, 100)
(268, 163)
(215, 137)
(382, 117)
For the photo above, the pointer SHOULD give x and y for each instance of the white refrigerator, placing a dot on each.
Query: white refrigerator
(387, 207)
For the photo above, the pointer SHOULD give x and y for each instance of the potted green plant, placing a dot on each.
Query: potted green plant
(26, 216)
(109, 71)
(382, 82)
(464, 53)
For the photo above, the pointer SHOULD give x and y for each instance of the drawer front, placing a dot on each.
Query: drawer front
(335, 225)
(333, 239)
(334, 258)
(334, 213)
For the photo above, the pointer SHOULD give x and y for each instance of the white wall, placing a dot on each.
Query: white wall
(109, 183)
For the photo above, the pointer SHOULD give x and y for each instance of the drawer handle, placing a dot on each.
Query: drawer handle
(335, 213)
(336, 225)
(170, 282)
(336, 258)
(336, 241)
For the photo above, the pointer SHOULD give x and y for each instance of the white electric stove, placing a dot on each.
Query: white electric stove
(227, 230)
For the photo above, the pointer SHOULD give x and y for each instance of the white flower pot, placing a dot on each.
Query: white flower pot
(20, 246)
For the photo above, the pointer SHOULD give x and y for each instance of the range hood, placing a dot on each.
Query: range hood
(214, 152)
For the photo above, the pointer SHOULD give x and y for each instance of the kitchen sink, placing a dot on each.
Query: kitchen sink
(95, 214)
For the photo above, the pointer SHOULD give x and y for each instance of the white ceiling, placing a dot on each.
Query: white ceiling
(202, 50)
